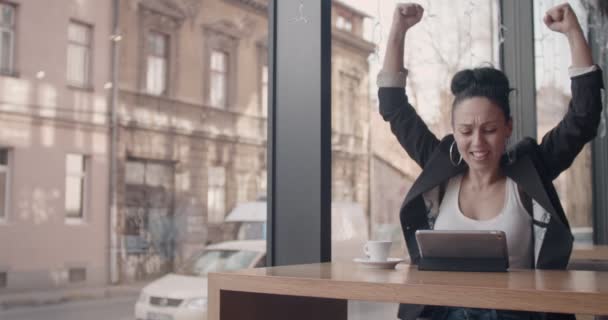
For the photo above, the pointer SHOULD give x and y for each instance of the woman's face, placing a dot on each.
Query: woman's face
(481, 132)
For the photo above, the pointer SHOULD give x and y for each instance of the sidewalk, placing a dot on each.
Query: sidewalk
(60, 295)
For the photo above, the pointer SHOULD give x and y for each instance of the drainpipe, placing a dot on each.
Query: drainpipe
(113, 250)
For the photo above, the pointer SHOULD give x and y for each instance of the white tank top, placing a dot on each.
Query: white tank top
(513, 219)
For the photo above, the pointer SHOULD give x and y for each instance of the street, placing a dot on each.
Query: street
(117, 308)
(121, 308)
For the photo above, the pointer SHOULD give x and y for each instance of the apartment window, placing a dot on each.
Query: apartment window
(220, 68)
(344, 23)
(349, 101)
(219, 78)
(157, 63)
(264, 93)
(7, 38)
(216, 194)
(4, 175)
(75, 182)
(79, 54)
(3, 279)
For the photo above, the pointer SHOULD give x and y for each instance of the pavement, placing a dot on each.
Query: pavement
(59, 295)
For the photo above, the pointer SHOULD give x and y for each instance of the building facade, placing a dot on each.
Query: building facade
(191, 133)
(53, 143)
(193, 110)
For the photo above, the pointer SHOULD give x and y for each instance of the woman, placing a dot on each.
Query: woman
(469, 181)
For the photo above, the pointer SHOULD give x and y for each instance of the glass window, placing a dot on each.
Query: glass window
(7, 37)
(219, 78)
(216, 194)
(157, 63)
(4, 183)
(79, 54)
(344, 23)
(75, 186)
(552, 59)
(348, 96)
(371, 173)
(139, 213)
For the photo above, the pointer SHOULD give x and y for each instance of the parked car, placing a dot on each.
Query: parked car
(183, 295)
(251, 219)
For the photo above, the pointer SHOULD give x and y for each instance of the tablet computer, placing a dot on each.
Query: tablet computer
(463, 250)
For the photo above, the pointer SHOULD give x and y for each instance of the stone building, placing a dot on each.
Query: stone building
(54, 68)
(192, 142)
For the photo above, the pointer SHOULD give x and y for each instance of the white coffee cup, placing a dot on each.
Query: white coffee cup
(377, 251)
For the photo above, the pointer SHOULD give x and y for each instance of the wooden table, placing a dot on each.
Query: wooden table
(321, 291)
(590, 252)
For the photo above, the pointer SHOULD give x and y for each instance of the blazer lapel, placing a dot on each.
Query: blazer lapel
(438, 169)
(525, 175)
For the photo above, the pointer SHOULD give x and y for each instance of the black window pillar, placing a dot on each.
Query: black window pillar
(299, 132)
(599, 146)
(517, 61)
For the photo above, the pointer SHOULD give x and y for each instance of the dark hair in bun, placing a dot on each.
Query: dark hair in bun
(484, 82)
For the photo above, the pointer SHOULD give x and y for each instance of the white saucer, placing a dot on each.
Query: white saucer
(390, 263)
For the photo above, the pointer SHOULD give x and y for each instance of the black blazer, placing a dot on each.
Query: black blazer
(532, 166)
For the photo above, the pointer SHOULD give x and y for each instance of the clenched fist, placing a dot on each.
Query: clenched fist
(562, 19)
(406, 15)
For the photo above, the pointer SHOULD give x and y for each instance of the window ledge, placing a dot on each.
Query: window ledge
(86, 88)
(75, 221)
(12, 74)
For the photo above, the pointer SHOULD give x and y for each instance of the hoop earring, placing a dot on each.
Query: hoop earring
(455, 164)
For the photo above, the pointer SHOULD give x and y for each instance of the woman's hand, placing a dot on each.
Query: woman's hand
(562, 19)
(406, 15)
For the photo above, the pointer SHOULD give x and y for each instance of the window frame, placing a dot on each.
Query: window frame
(11, 71)
(284, 62)
(162, 20)
(89, 46)
(85, 188)
(4, 218)
(221, 36)
(167, 61)
(212, 186)
(224, 75)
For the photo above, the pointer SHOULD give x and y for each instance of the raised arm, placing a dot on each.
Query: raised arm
(412, 133)
(561, 145)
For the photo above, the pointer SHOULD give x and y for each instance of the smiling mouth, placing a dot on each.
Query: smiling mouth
(479, 155)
